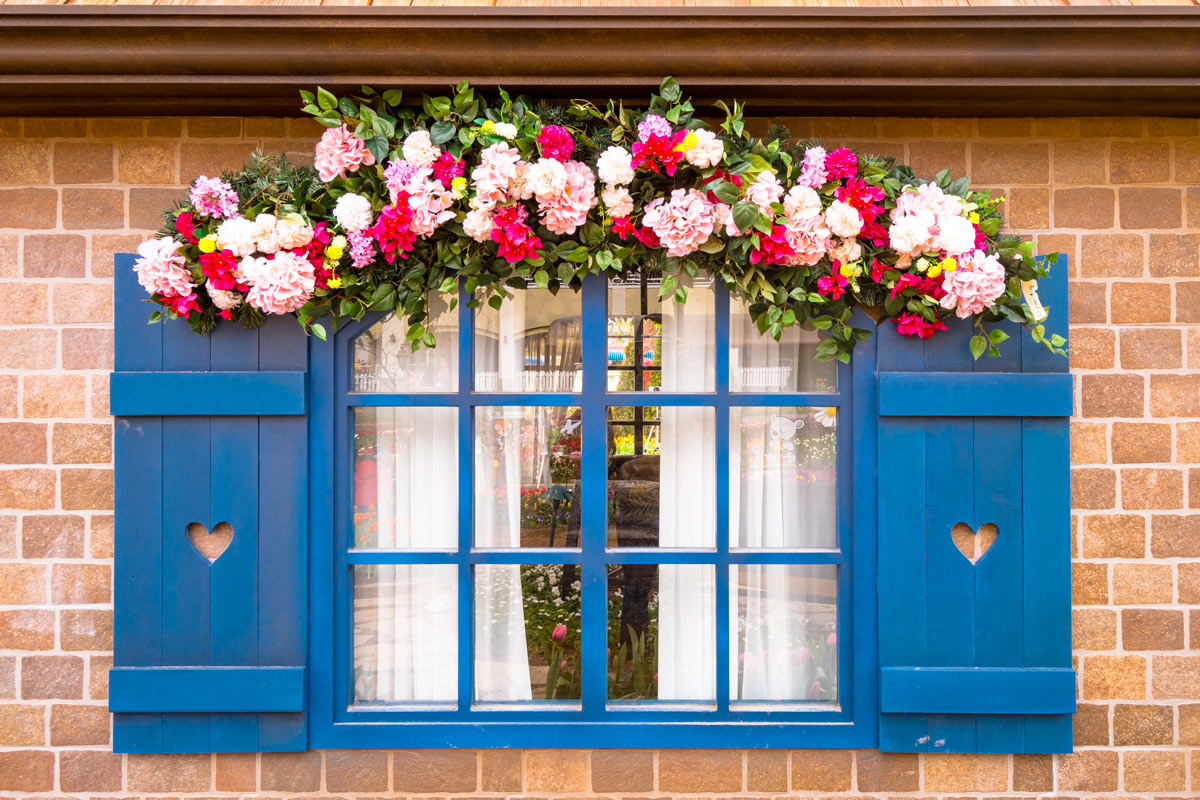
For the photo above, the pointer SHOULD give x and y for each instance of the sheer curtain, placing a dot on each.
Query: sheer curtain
(687, 502)
(415, 607)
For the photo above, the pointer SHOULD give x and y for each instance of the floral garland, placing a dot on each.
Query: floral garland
(493, 197)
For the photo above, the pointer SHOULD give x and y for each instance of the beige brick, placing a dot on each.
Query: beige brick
(1093, 488)
(146, 162)
(1140, 302)
(1136, 724)
(44, 396)
(9, 547)
(1175, 395)
(30, 489)
(1113, 255)
(1141, 584)
(25, 304)
(1089, 584)
(291, 772)
(1112, 395)
(1145, 488)
(1151, 629)
(974, 772)
(1114, 677)
(101, 544)
(1114, 536)
(87, 771)
(52, 678)
(1089, 303)
(23, 443)
(1174, 255)
(82, 443)
(1140, 162)
(81, 584)
(78, 725)
(55, 127)
(818, 770)
(1176, 677)
(1187, 442)
(1189, 723)
(146, 205)
(1189, 583)
(28, 348)
(1088, 771)
(98, 667)
(115, 127)
(86, 629)
(236, 772)
(90, 489)
(214, 127)
(1089, 443)
(929, 158)
(356, 771)
(613, 771)
(197, 159)
(501, 770)
(1091, 725)
(171, 772)
(1151, 208)
(88, 209)
(1029, 208)
(1154, 771)
(1080, 163)
(27, 770)
(1140, 443)
(98, 395)
(1175, 536)
(28, 209)
(106, 245)
(26, 629)
(24, 163)
(1090, 208)
(553, 771)
(1151, 348)
(82, 302)
(87, 348)
(22, 584)
(83, 162)
(1009, 163)
(52, 536)
(1033, 773)
(8, 396)
(22, 726)
(1093, 629)
(427, 771)
(1092, 348)
(55, 255)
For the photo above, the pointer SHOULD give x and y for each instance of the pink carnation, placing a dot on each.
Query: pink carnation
(975, 285)
(340, 151)
(279, 284)
(653, 125)
(213, 197)
(556, 143)
(841, 163)
(682, 223)
(161, 269)
(430, 203)
(398, 176)
(812, 173)
(568, 210)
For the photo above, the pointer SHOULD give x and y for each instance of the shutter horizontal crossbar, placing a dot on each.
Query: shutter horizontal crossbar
(974, 394)
(977, 690)
(160, 394)
(205, 689)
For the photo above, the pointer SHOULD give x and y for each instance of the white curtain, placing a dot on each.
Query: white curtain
(406, 642)
(687, 503)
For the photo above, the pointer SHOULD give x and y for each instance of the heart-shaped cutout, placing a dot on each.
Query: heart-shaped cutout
(971, 543)
(210, 544)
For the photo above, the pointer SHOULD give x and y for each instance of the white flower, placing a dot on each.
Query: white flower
(957, 235)
(615, 166)
(617, 200)
(292, 232)
(826, 416)
(764, 190)
(353, 212)
(708, 150)
(801, 202)
(506, 130)
(843, 219)
(847, 250)
(909, 235)
(546, 178)
(222, 299)
(478, 224)
(419, 149)
(238, 235)
(264, 234)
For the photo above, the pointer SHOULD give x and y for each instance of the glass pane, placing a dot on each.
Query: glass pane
(783, 477)
(660, 345)
(405, 633)
(527, 632)
(406, 478)
(532, 344)
(384, 360)
(662, 632)
(527, 476)
(758, 363)
(662, 473)
(783, 632)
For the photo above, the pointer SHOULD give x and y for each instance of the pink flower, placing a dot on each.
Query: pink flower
(814, 691)
(563, 213)
(622, 227)
(974, 286)
(832, 286)
(659, 153)
(556, 142)
(340, 151)
(682, 223)
(812, 173)
(220, 267)
(213, 197)
(801, 655)
(841, 163)
(398, 176)
(653, 125)
(185, 225)
(447, 168)
(185, 305)
(772, 249)
(161, 269)
(858, 194)
(809, 237)
(916, 325)
(362, 248)
(430, 204)
(831, 639)
(617, 201)
(764, 191)
(392, 230)
(515, 238)
(497, 169)
(279, 284)
(559, 633)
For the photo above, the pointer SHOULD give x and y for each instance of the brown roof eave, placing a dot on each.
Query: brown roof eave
(145, 60)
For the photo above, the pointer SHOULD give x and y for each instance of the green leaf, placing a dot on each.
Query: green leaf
(669, 89)
(318, 330)
(496, 301)
(442, 132)
(307, 96)
(155, 317)
(379, 148)
(745, 214)
(541, 278)
(667, 286)
(726, 192)
(347, 107)
(978, 346)
(579, 255)
(1056, 340)
(330, 119)
(393, 97)
(325, 99)
(996, 336)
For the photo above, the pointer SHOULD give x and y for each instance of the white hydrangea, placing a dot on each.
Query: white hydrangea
(238, 235)
(353, 212)
(292, 232)
(478, 224)
(615, 166)
(546, 178)
(843, 219)
(801, 202)
(957, 235)
(708, 150)
(506, 130)
(264, 234)
(223, 299)
(419, 150)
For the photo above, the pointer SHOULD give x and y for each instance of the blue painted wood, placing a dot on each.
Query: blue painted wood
(975, 658)
(192, 689)
(963, 394)
(977, 690)
(208, 430)
(207, 393)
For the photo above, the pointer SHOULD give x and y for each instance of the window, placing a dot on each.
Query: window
(593, 515)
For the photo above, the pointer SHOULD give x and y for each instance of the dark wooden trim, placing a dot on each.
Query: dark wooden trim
(122, 60)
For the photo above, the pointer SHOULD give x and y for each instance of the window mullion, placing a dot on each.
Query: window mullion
(466, 497)
(721, 312)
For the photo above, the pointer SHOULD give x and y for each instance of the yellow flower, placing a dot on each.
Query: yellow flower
(488, 126)
(335, 282)
(208, 244)
(934, 271)
(459, 186)
(687, 143)
(973, 217)
(949, 264)
(333, 253)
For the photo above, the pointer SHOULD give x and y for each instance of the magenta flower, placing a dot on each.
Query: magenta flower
(556, 142)
(559, 633)
(841, 163)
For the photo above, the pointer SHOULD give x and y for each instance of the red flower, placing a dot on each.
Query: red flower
(841, 163)
(183, 305)
(916, 325)
(646, 236)
(874, 233)
(773, 249)
(391, 229)
(447, 168)
(186, 225)
(623, 227)
(219, 267)
(832, 286)
(556, 143)
(515, 238)
(877, 269)
(860, 195)
(659, 153)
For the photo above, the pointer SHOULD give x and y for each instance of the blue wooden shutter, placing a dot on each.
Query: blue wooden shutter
(975, 657)
(208, 657)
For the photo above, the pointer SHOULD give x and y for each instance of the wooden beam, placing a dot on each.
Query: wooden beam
(87, 60)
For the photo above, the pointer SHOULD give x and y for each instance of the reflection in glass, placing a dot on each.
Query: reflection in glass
(783, 477)
(384, 361)
(527, 626)
(406, 478)
(783, 618)
(527, 462)
(758, 363)
(658, 344)
(405, 633)
(531, 344)
(661, 632)
(662, 475)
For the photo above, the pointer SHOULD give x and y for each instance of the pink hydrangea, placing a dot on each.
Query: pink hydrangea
(339, 152)
(808, 236)
(975, 285)
(764, 191)
(556, 142)
(919, 218)
(279, 284)
(213, 197)
(812, 172)
(568, 210)
(430, 204)
(841, 163)
(681, 223)
(653, 125)
(497, 169)
(161, 269)
(398, 177)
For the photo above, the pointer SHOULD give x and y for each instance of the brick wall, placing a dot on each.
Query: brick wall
(1121, 196)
